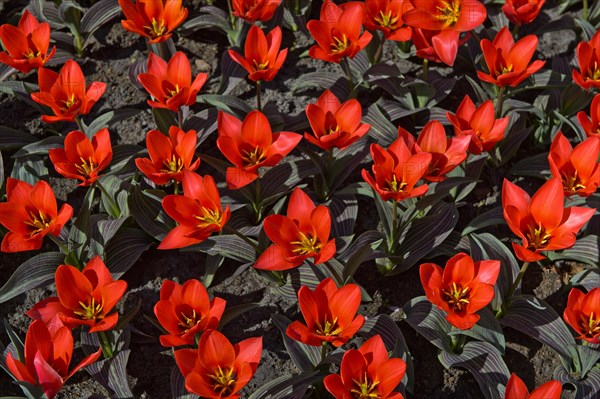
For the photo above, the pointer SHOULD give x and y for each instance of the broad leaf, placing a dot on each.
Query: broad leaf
(305, 357)
(33, 273)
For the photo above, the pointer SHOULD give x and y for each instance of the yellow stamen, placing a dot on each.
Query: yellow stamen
(157, 29)
(86, 167)
(594, 73)
(224, 381)
(387, 20)
(329, 329)
(590, 326)
(173, 165)
(339, 45)
(395, 186)
(39, 222)
(90, 312)
(449, 12)
(456, 296)
(573, 183)
(209, 217)
(537, 237)
(254, 157)
(307, 244)
(365, 389)
(262, 66)
(189, 322)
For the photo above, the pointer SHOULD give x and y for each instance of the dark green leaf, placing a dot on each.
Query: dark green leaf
(11, 138)
(587, 279)
(99, 14)
(344, 211)
(289, 386)
(33, 273)
(429, 321)
(586, 388)
(382, 130)
(146, 208)
(178, 390)
(493, 217)
(124, 249)
(112, 374)
(110, 117)
(229, 246)
(585, 250)
(235, 311)
(534, 166)
(230, 104)
(164, 119)
(487, 329)
(305, 357)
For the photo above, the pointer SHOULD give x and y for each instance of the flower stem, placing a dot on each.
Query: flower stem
(257, 204)
(180, 118)
(79, 124)
(232, 18)
(105, 344)
(345, 64)
(500, 103)
(323, 350)
(378, 52)
(114, 208)
(425, 69)
(394, 224)
(585, 10)
(176, 187)
(258, 93)
(231, 230)
(517, 281)
(63, 247)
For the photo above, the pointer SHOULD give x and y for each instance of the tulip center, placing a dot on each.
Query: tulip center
(590, 326)
(388, 20)
(572, 183)
(190, 321)
(261, 66)
(173, 165)
(174, 92)
(394, 185)
(339, 45)
(30, 54)
(449, 12)
(86, 167)
(208, 217)
(537, 237)
(71, 100)
(594, 73)
(365, 389)
(456, 296)
(328, 328)
(507, 69)
(307, 244)
(157, 29)
(254, 157)
(93, 311)
(39, 222)
(223, 381)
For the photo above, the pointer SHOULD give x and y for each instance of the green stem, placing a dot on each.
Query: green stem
(339, 280)
(105, 344)
(180, 118)
(517, 281)
(258, 93)
(585, 10)
(394, 224)
(378, 52)
(232, 18)
(323, 351)
(78, 44)
(79, 124)
(458, 341)
(345, 64)
(425, 69)
(231, 230)
(500, 103)
(63, 246)
(176, 187)
(257, 204)
(515, 30)
(114, 208)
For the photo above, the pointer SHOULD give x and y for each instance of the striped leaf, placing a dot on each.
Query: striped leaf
(33, 273)
(1, 170)
(588, 279)
(146, 208)
(305, 357)
(227, 245)
(107, 119)
(112, 374)
(289, 386)
(344, 211)
(493, 217)
(586, 388)
(282, 178)
(382, 130)
(99, 14)
(585, 250)
(307, 275)
(487, 329)
(124, 249)
(230, 104)
(29, 169)
(429, 321)
(11, 138)
(178, 390)
(534, 166)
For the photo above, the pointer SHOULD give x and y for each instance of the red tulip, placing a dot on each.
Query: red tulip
(446, 15)
(81, 158)
(302, 234)
(386, 16)
(29, 214)
(578, 168)
(329, 312)
(462, 288)
(397, 170)
(588, 55)
(583, 314)
(170, 84)
(516, 389)
(250, 145)
(199, 212)
(591, 125)
(507, 61)
(255, 10)
(335, 124)
(434, 46)
(479, 123)
(47, 356)
(65, 93)
(27, 44)
(337, 32)
(85, 298)
(186, 311)
(542, 222)
(154, 19)
(521, 12)
(169, 156)
(262, 57)
(217, 369)
(367, 373)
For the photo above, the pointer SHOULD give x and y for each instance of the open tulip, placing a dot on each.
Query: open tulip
(434, 46)
(217, 369)
(367, 372)
(153, 19)
(81, 158)
(583, 314)
(588, 55)
(169, 156)
(185, 311)
(262, 57)
(335, 124)
(26, 44)
(255, 10)
(302, 234)
(591, 124)
(251, 144)
(516, 389)
(479, 123)
(65, 93)
(542, 222)
(462, 288)
(199, 212)
(29, 214)
(85, 298)
(522, 12)
(509, 62)
(47, 355)
(578, 168)
(170, 84)
(338, 32)
(329, 312)
(386, 16)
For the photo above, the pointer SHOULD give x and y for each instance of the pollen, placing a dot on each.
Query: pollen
(387, 20)
(172, 165)
(190, 321)
(254, 157)
(223, 381)
(261, 66)
(328, 328)
(307, 244)
(39, 222)
(590, 326)
(456, 296)
(208, 217)
(339, 45)
(394, 185)
(449, 12)
(365, 388)
(93, 311)
(537, 237)
(85, 168)
(157, 29)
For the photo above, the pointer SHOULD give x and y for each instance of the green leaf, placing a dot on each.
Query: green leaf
(146, 208)
(305, 357)
(11, 138)
(164, 119)
(107, 119)
(586, 388)
(336, 82)
(99, 14)
(80, 232)
(282, 178)
(588, 279)
(235, 311)
(211, 265)
(178, 390)
(33, 273)
(429, 321)
(227, 245)
(103, 231)
(40, 147)
(534, 166)
(344, 211)
(382, 130)
(1, 170)
(124, 249)
(585, 250)
(289, 386)
(487, 329)
(305, 275)
(493, 217)
(230, 104)
(112, 374)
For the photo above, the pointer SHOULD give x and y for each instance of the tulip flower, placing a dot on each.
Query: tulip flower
(335, 124)
(479, 123)
(516, 389)
(337, 32)
(186, 311)
(170, 84)
(199, 212)
(29, 214)
(169, 156)
(588, 55)
(47, 356)
(591, 124)
(262, 57)
(302, 234)
(250, 145)
(433, 46)
(461, 289)
(397, 170)
(522, 12)
(65, 93)
(329, 312)
(386, 16)
(255, 10)
(217, 369)
(542, 222)
(27, 44)
(81, 158)
(578, 168)
(509, 62)
(153, 19)
(85, 298)
(367, 373)
(583, 314)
